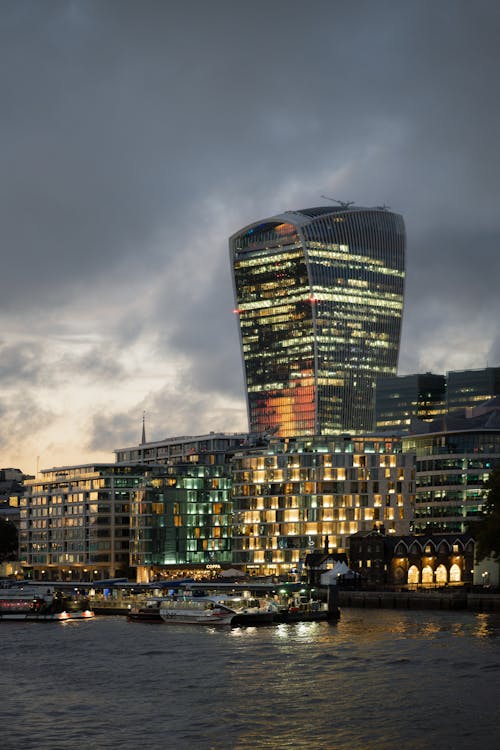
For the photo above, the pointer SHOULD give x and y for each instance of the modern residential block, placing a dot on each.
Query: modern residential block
(307, 494)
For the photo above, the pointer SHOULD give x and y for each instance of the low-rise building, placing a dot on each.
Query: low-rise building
(423, 560)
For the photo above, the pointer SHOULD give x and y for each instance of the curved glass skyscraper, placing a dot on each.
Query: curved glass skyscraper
(319, 296)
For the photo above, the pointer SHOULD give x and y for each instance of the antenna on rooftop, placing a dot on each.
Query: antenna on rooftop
(383, 207)
(342, 204)
(143, 439)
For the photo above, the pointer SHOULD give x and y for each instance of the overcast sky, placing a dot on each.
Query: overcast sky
(135, 137)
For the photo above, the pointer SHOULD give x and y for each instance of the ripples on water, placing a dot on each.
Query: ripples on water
(377, 680)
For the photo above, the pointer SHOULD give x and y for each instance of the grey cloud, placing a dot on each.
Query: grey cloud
(21, 417)
(123, 124)
(99, 363)
(20, 363)
(109, 431)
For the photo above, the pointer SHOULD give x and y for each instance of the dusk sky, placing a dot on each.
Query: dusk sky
(136, 137)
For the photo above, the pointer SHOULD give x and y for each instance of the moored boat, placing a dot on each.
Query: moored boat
(149, 611)
(251, 611)
(196, 610)
(30, 604)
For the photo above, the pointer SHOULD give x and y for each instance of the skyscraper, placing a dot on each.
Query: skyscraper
(319, 296)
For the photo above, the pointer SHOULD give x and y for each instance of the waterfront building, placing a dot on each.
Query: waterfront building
(425, 560)
(300, 495)
(400, 400)
(182, 521)
(75, 521)
(181, 518)
(319, 299)
(468, 388)
(454, 457)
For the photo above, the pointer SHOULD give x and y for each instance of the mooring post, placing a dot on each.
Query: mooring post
(333, 601)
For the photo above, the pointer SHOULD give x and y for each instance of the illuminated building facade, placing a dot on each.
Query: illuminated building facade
(424, 560)
(301, 495)
(454, 458)
(182, 518)
(399, 400)
(319, 298)
(75, 521)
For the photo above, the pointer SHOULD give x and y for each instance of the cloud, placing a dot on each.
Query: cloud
(135, 138)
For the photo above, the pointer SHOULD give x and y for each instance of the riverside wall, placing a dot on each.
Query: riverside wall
(453, 600)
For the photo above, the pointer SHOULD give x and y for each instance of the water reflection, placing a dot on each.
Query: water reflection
(377, 679)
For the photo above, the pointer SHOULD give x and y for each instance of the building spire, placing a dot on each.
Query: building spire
(143, 439)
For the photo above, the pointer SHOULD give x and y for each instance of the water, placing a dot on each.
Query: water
(377, 680)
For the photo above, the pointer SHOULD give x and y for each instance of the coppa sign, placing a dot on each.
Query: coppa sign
(213, 566)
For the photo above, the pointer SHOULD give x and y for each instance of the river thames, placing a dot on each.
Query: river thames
(376, 680)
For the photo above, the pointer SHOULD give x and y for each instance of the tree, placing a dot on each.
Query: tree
(487, 530)
(8, 540)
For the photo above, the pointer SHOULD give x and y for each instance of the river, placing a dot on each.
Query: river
(376, 680)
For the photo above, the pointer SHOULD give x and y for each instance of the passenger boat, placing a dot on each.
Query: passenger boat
(196, 610)
(30, 604)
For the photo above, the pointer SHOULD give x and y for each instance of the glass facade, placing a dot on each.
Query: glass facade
(319, 297)
(183, 517)
(451, 469)
(306, 494)
(468, 388)
(399, 400)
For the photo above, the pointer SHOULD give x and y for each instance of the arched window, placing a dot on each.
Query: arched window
(413, 574)
(441, 574)
(427, 575)
(455, 574)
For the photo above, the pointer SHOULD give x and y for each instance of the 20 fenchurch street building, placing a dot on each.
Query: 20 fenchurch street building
(319, 297)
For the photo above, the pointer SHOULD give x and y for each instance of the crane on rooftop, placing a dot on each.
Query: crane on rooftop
(342, 204)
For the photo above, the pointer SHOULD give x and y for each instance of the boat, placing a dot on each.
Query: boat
(315, 612)
(149, 611)
(303, 607)
(196, 610)
(250, 611)
(31, 604)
